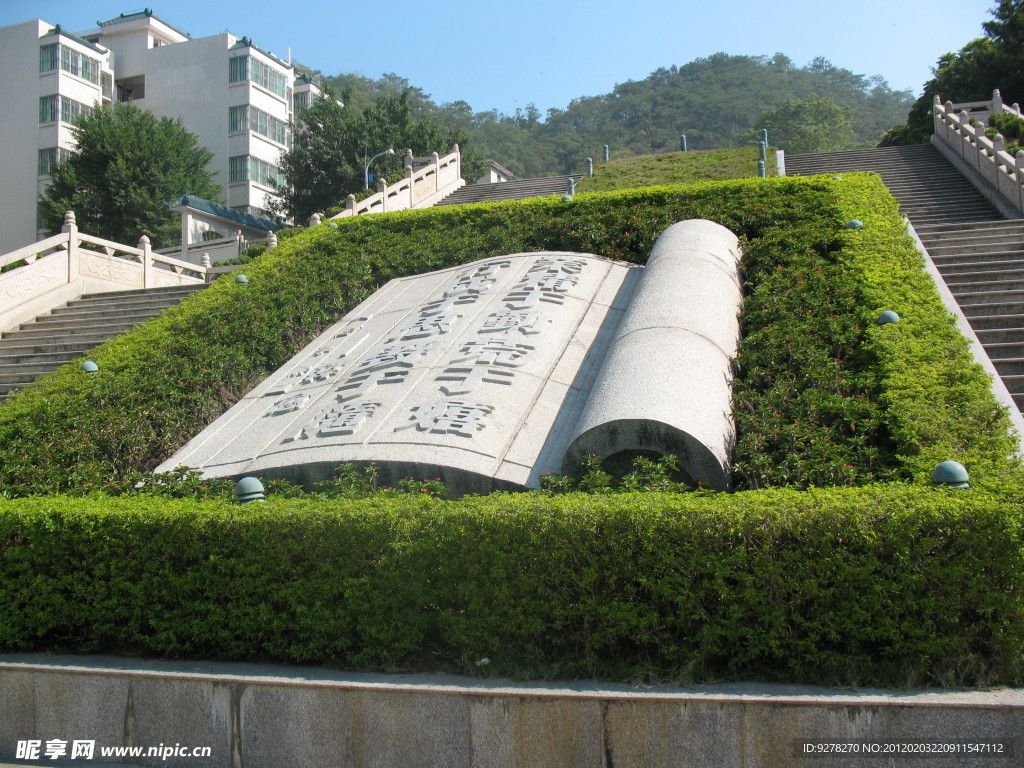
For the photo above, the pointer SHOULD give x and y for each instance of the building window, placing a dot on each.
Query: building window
(256, 120)
(302, 101)
(79, 64)
(108, 85)
(48, 106)
(249, 68)
(248, 168)
(70, 109)
(48, 57)
(50, 158)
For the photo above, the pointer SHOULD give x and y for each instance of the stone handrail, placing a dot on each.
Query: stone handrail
(960, 136)
(70, 264)
(427, 180)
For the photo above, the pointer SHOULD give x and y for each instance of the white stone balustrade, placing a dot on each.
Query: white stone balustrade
(427, 180)
(70, 264)
(986, 163)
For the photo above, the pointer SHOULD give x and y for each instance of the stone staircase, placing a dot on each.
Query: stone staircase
(979, 253)
(70, 331)
(516, 189)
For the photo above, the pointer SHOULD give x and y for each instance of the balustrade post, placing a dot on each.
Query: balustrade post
(998, 144)
(407, 163)
(314, 219)
(458, 161)
(411, 185)
(350, 205)
(997, 102)
(70, 228)
(382, 188)
(435, 159)
(147, 262)
(271, 240)
(1019, 176)
(204, 260)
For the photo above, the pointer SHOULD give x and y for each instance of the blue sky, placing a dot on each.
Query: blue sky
(504, 55)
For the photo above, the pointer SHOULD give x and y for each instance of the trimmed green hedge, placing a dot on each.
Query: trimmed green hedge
(891, 585)
(822, 397)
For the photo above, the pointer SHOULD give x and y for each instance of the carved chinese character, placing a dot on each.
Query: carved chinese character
(486, 361)
(425, 326)
(357, 386)
(351, 327)
(554, 265)
(449, 417)
(393, 356)
(541, 287)
(289, 404)
(469, 377)
(341, 420)
(321, 374)
(493, 352)
(505, 320)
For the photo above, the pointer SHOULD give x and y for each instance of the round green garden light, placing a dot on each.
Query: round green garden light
(88, 367)
(887, 317)
(951, 474)
(855, 224)
(241, 279)
(249, 489)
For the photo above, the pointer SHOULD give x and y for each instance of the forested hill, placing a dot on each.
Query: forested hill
(716, 101)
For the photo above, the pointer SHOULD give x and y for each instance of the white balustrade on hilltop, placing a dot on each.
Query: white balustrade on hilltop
(960, 136)
(427, 180)
(67, 265)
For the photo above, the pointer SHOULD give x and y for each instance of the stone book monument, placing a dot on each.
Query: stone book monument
(493, 373)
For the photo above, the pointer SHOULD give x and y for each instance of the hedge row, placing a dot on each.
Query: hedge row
(811, 399)
(895, 585)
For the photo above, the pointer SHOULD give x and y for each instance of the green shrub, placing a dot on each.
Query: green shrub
(890, 585)
(822, 397)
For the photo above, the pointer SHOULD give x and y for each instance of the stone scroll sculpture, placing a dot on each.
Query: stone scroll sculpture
(491, 374)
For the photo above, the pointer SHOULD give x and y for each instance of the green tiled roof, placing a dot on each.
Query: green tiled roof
(144, 14)
(58, 30)
(216, 209)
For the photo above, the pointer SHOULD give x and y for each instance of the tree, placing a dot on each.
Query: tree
(981, 66)
(813, 124)
(332, 144)
(126, 164)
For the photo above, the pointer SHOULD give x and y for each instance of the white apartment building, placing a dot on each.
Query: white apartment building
(238, 99)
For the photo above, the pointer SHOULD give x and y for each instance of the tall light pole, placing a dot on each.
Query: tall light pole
(366, 168)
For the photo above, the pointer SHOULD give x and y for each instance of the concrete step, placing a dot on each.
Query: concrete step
(971, 261)
(17, 375)
(980, 276)
(1005, 297)
(972, 311)
(58, 323)
(997, 288)
(169, 290)
(70, 332)
(104, 309)
(993, 321)
(41, 359)
(517, 189)
(995, 337)
(33, 333)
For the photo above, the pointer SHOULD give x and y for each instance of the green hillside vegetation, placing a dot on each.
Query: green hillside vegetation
(716, 101)
(675, 168)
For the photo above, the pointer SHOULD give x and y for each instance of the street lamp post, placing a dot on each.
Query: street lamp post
(366, 168)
